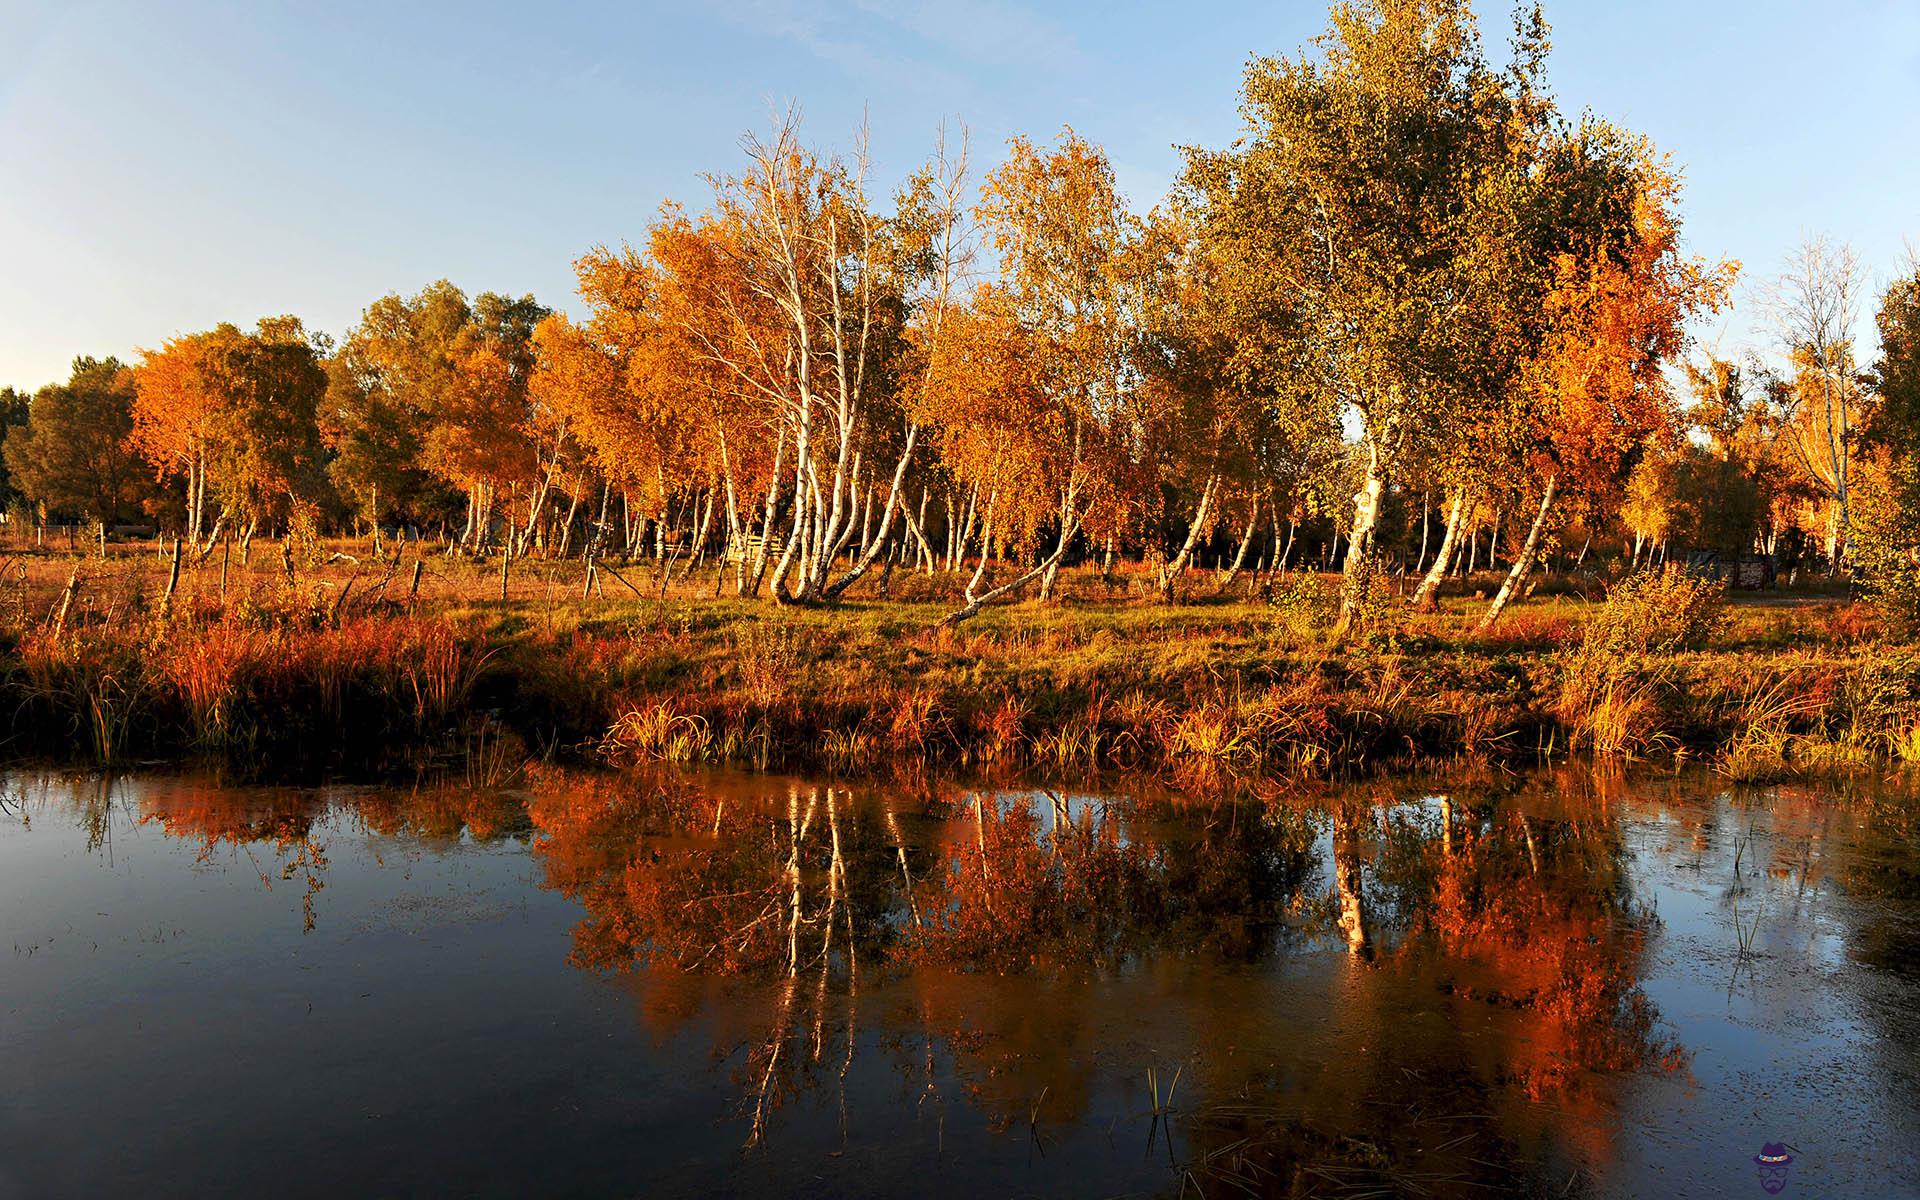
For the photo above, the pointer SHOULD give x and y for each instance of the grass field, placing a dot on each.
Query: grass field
(349, 666)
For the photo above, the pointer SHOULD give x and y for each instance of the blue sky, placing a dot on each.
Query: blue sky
(166, 166)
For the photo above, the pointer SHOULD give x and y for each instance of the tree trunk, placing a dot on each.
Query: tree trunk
(173, 581)
(749, 576)
(1177, 565)
(566, 528)
(213, 539)
(1426, 520)
(699, 539)
(873, 545)
(916, 525)
(66, 601)
(1068, 528)
(1347, 882)
(1050, 573)
(1359, 563)
(1426, 596)
(1522, 562)
(1246, 540)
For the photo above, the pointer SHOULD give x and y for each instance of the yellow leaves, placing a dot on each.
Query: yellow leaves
(174, 403)
(478, 436)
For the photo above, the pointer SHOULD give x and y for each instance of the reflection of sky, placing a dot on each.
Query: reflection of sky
(172, 166)
(1790, 1043)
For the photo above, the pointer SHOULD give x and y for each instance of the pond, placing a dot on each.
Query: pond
(1565, 983)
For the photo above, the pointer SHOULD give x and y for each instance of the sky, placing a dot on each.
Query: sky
(165, 166)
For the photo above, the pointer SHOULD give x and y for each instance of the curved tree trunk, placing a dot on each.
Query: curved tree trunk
(916, 525)
(566, 527)
(1522, 562)
(874, 545)
(975, 603)
(1246, 540)
(1177, 565)
(1425, 597)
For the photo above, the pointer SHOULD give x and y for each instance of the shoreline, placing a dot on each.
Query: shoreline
(307, 675)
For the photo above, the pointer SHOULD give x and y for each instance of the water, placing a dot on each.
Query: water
(597, 986)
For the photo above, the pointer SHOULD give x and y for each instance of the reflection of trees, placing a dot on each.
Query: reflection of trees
(281, 833)
(443, 814)
(702, 881)
(1535, 913)
(216, 816)
(1488, 948)
(1517, 910)
(1348, 887)
(803, 888)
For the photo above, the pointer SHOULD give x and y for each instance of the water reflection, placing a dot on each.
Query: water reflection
(1438, 987)
(1525, 925)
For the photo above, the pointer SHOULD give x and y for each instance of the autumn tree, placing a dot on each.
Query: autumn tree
(477, 438)
(1202, 416)
(72, 455)
(660, 409)
(232, 414)
(1732, 473)
(773, 351)
(1053, 343)
(1814, 305)
(1595, 395)
(575, 388)
(380, 384)
(269, 459)
(455, 374)
(1889, 525)
(175, 402)
(1345, 209)
(808, 333)
(14, 405)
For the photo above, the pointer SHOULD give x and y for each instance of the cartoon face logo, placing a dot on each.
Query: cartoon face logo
(1773, 1161)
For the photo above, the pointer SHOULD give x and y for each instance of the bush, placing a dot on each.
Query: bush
(1656, 612)
(1303, 606)
(1885, 555)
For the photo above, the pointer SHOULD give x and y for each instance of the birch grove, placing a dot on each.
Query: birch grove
(1414, 322)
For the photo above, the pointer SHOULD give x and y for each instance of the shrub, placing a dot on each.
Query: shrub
(1303, 605)
(1883, 546)
(1657, 612)
(1612, 711)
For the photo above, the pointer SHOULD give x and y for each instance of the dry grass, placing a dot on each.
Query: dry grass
(1105, 677)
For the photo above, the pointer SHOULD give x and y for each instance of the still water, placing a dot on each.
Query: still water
(668, 985)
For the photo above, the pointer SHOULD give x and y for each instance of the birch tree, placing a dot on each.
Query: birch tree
(1346, 206)
(1053, 339)
(1595, 395)
(1814, 306)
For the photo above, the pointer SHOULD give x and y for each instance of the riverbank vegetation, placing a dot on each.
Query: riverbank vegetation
(358, 667)
(1301, 469)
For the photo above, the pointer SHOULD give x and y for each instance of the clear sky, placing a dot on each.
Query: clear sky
(169, 164)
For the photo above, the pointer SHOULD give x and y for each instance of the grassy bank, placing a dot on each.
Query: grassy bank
(349, 666)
